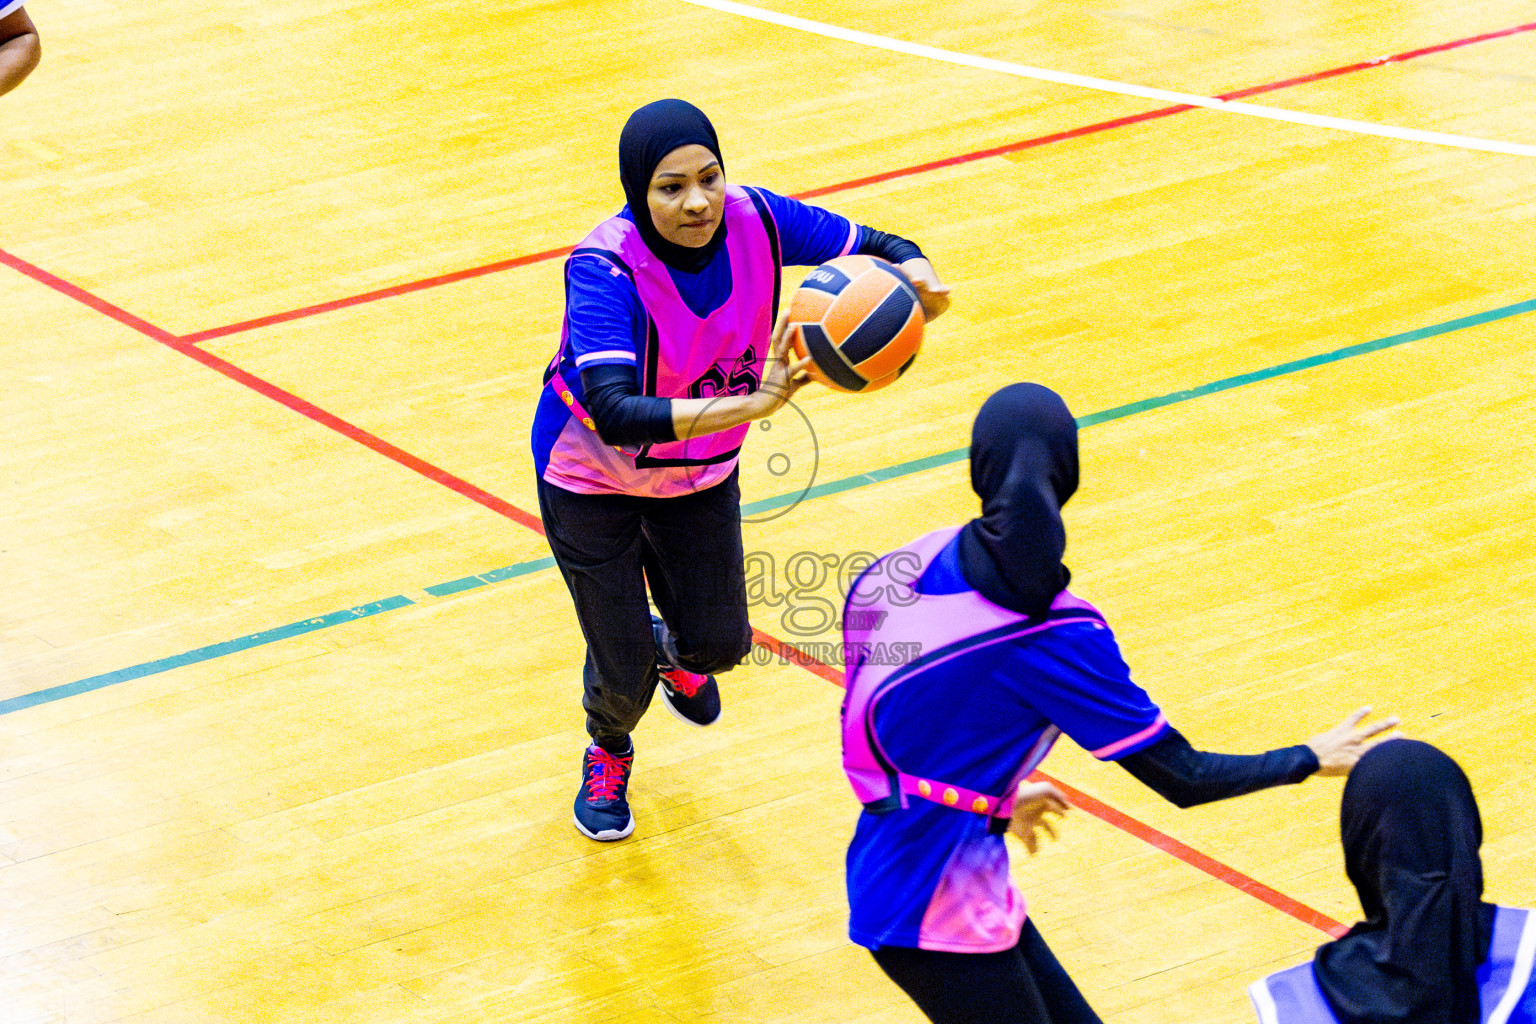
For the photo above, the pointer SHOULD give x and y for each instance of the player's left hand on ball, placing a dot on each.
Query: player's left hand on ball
(1032, 811)
(931, 292)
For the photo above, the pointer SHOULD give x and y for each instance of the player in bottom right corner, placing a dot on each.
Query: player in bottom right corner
(1429, 951)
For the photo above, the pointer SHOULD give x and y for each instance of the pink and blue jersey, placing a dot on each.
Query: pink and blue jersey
(687, 336)
(1293, 996)
(957, 728)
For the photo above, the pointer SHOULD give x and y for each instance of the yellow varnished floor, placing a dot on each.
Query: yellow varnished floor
(369, 821)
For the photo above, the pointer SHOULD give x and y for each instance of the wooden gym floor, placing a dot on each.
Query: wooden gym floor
(288, 691)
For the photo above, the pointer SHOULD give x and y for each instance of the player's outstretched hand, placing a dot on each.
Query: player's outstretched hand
(782, 375)
(1339, 748)
(1031, 810)
(931, 292)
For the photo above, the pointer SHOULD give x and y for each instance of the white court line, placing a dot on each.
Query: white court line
(1104, 85)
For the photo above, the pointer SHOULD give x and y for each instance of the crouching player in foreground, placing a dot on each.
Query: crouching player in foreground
(1429, 951)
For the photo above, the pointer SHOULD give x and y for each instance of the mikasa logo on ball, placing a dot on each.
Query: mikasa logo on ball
(860, 322)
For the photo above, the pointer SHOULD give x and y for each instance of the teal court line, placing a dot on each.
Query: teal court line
(219, 650)
(486, 578)
(875, 476)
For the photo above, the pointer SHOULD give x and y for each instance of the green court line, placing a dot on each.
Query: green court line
(874, 476)
(486, 578)
(1148, 404)
(752, 508)
(1297, 365)
(218, 650)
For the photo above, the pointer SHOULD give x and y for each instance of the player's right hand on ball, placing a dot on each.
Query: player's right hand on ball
(782, 376)
(931, 292)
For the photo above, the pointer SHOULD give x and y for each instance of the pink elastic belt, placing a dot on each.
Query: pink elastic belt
(957, 796)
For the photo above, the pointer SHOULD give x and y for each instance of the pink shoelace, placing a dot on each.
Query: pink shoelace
(682, 681)
(608, 772)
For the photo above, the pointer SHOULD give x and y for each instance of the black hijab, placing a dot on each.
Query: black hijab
(1411, 833)
(1024, 467)
(652, 132)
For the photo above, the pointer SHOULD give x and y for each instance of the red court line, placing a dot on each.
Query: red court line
(277, 394)
(361, 436)
(1194, 858)
(1119, 819)
(1160, 112)
(84, 297)
(373, 296)
(1003, 150)
(873, 179)
(1423, 51)
(793, 655)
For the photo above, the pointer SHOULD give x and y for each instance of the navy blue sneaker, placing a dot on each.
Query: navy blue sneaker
(690, 696)
(602, 812)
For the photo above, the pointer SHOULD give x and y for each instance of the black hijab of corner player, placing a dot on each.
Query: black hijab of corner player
(1411, 834)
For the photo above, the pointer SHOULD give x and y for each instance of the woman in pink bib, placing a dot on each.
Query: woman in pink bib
(667, 353)
(1004, 660)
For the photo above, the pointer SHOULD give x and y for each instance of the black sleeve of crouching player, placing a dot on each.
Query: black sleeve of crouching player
(1185, 776)
(886, 246)
(623, 415)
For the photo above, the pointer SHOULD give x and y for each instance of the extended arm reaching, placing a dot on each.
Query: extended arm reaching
(1185, 776)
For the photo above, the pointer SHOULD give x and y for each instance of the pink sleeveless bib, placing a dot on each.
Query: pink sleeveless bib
(884, 607)
(686, 356)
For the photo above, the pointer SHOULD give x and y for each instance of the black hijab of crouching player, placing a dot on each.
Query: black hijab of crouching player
(1411, 834)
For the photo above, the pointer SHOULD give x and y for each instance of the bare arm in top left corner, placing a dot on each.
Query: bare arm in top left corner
(20, 49)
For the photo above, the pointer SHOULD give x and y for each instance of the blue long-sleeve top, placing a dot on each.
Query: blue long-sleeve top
(607, 321)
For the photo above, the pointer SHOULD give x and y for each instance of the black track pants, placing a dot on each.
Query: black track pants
(1022, 985)
(688, 548)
